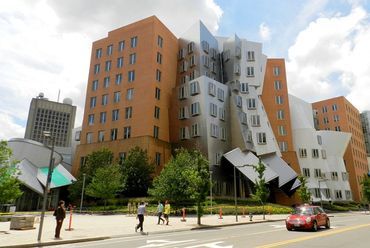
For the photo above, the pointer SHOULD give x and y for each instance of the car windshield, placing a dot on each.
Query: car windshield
(303, 211)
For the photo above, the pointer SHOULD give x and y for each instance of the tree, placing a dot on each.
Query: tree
(303, 191)
(9, 184)
(262, 191)
(184, 178)
(366, 189)
(137, 172)
(105, 183)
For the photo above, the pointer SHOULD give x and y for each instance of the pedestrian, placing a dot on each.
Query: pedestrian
(60, 214)
(140, 216)
(167, 210)
(129, 208)
(160, 212)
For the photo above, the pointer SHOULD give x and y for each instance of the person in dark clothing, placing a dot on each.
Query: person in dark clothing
(140, 216)
(60, 214)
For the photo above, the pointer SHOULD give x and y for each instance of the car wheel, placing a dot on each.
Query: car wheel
(314, 226)
(327, 225)
(289, 229)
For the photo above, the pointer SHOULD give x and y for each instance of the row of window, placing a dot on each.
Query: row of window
(194, 89)
(215, 132)
(196, 110)
(337, 193)
(324, 109)
(319, 174)
(314, 153)
(238, 54)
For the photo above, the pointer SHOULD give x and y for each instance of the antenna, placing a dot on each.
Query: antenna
(58, 95)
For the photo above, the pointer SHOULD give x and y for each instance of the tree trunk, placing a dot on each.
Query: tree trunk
(263, 210)
(198, 212)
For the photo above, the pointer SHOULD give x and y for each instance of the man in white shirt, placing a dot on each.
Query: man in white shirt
(140, 216)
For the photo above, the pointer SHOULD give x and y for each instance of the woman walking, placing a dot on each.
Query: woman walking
(167, 210)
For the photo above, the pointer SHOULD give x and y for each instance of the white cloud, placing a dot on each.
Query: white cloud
(329, 58)
(45, 46)
(264, 32)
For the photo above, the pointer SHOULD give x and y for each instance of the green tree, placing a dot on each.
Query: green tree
(262, 192)
(137, 172)
(366, 189)
(184, 178)
(303, 191)
(9, 184)
(106, 183)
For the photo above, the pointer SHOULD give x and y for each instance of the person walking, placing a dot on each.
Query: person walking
(167, 210)
(60, 214)
(140, 216)
(160, 212)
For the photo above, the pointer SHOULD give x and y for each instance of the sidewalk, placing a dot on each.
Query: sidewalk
(96, 227)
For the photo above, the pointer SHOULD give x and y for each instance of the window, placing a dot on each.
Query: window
(115, 114)
(96, 68)
(184, 66)
(109, 50)
(132, 58)
(98, 53)
(78, 136)
(103, 117)
(211, 89)
(195, 108)
(334, 176)
(118, 78)
(131, 76)
(205, 46)
(338, 194)
(317, 192)
(220, 94)
(243, 117)
(250, 55)
(239, 101)
(158, 75)
(337, 128)
(324, 109)
(223, 133)
(279, 99)
(134, 41)
(181, 54)
(119, 62)
(130, 94)
(255, 120)
(282, 131)
(283, 145)
(106, 82)
(193, 74)
(160, 41)
(334, 107)
(205, 61)
(344, 176)
(194, 88)
(319, 140)
(89, 138)
(93, 102)
(159, 58)
(113, 133)
(327, 193)
(121, 45)
(213, 109)
(306, 172)
(183, 113)
(261, 138)
(95, 84)
(195, 130)
(157, 159)
(126, 132)
(192, 61)
(100, 136)
(336, 118)
(277, 85)
(244, 88)
(280, 114)
(128, 113)
(191, 47)
(157, 93)
(91, 119)
(317, 173)
(184, 133)
(122, 156)
(237, 69)
(303, 152)
(323, 154)
(108, 65)
(326, 120)
(222, 114)
(104, 100)
(250, 71)
(348, 195)
(156, 132)
(182, 93)
(276, 70)
(214, 130)
(156, 112)
(315, 153)
(251, 103)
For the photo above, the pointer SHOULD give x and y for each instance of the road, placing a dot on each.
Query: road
(347, 231)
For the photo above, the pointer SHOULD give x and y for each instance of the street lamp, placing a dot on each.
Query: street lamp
(48, 135)
(83, 190)
(321, 180)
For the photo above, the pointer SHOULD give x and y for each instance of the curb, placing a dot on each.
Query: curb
(60, 242)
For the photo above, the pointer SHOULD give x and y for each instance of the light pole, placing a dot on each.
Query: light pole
(47, 134)
(210, 187)
(321, 180)
(83, 190)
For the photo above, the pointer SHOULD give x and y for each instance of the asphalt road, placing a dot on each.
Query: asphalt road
(347, 231)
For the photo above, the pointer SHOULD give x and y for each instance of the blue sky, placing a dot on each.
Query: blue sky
(325, 44)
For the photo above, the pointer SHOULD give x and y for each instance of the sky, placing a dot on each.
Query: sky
(45, 45)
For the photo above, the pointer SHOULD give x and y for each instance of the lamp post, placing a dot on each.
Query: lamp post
(47, 134)
(83, 190)
(321, 180)
(210, 187)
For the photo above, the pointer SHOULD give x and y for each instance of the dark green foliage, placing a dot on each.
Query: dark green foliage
(366, 188)
(262, 192)
(303, 191)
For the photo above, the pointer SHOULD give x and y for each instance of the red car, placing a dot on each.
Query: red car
(307, 217)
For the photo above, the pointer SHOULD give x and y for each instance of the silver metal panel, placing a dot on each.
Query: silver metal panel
(28, 176)
(285, 172)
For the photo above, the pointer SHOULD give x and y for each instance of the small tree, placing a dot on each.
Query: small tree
(262, 191)
(303, 191)
(366, 189)
(9, 184)
(105, 183)
(137, 172)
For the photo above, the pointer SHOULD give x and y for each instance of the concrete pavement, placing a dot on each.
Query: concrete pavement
(96, 227)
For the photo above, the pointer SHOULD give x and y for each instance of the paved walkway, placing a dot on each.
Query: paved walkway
(94, 227)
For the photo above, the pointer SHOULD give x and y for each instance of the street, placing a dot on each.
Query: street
(346, 231)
